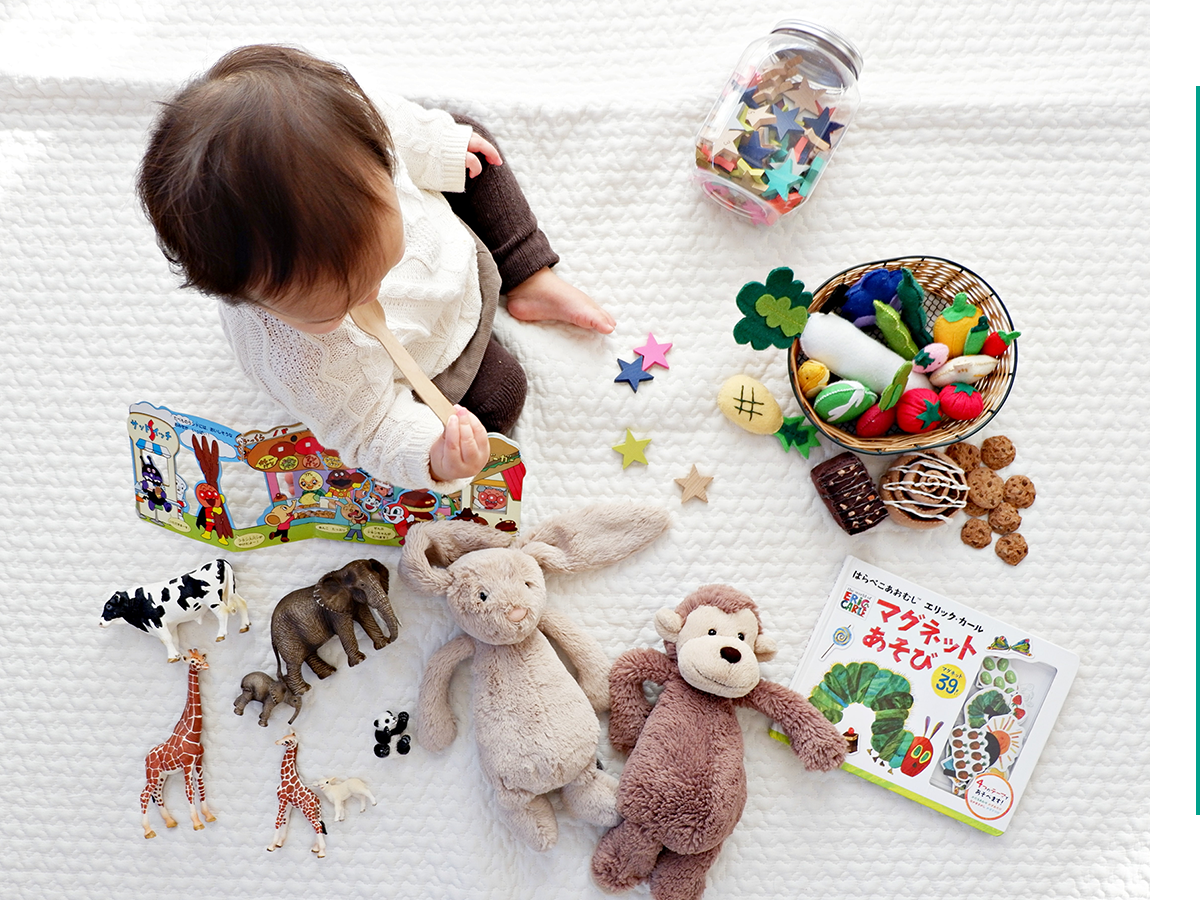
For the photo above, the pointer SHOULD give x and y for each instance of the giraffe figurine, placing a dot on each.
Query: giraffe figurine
(181, 752)
(292, 790)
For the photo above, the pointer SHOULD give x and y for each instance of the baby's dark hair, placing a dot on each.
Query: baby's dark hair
(262, 174)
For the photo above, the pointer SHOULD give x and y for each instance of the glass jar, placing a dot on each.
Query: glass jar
(772, 132)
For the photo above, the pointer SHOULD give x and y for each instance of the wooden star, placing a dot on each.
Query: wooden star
(805, 97)
(693, 485)
(756, 118)
(632, 450)
(727, 142)
(653, 353)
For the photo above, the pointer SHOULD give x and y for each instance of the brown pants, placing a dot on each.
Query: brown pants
(493, 206)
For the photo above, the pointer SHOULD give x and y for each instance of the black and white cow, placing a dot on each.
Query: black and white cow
(158, 609)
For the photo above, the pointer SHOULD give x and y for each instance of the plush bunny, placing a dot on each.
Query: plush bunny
(535, 726)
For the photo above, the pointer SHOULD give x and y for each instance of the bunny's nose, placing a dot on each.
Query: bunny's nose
(517, 613)
(730, 654)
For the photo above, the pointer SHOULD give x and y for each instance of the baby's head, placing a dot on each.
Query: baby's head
(269, 180)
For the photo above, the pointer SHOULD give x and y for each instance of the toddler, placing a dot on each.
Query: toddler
(274, 183)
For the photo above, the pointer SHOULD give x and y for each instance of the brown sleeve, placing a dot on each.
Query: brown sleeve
(629, 705)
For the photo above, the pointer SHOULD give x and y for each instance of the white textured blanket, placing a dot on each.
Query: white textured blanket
(1011, 139)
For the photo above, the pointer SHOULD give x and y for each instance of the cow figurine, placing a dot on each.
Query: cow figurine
(159, 608)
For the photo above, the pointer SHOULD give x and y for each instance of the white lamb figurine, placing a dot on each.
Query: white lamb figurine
(339, 790)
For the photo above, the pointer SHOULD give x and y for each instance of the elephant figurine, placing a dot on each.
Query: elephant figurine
(306, 618)
(261, 688)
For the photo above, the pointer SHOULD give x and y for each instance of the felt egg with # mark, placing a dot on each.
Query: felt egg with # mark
(843, 401)
(748, 404)
(875, 422)
(962, 402)
(918, 411)
(964, 370)
(813, 376)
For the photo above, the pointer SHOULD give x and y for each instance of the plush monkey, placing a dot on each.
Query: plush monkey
(684, 786)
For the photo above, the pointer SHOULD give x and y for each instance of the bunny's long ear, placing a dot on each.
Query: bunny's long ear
(429, 548)
(595, 536)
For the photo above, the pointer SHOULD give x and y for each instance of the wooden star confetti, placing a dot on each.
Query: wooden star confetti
(785, 121)
(822, 126)
(633, 373)
(783, 178)
(755, 151)
(805, 97)
(632, 450)
(754, 119)
(693, 485)
(727, 142)
(653, 353)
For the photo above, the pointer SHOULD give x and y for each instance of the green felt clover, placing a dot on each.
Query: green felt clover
(798, 433)
(774, 313)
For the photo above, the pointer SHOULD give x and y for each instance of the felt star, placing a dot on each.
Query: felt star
(693, 485)
(783, 178)
(633, 373)
(632, 450)
(653, 353)
(754, 119)
(805, 97)
(785, 121)
(755, 152)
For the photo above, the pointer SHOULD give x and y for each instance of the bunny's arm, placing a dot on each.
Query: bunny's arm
(630, 708)
(435, 720)
(585, 654)
(814, 739)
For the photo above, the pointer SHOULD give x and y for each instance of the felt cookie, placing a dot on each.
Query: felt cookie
(966, 455)
(984, 488)
(846, 489)
(1019, 491)
(997, 452)
(1004, 519)
(955, 323)
(1012, 548)
(975, 533)
(924, 489)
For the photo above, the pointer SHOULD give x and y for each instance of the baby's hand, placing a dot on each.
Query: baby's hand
(478, 145)
(462, 450)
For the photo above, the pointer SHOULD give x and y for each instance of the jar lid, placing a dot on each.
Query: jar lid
(840, 44)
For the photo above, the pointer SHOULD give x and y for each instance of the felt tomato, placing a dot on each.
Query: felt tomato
(960, 401)
(918, 411)
(875, 422)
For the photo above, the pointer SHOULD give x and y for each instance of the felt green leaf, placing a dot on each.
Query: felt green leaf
(779, 313)
(892, 393)
(895, 332)
(976, 336)
(961, 308)
(798, 433)
(912, 307)
(754, 328)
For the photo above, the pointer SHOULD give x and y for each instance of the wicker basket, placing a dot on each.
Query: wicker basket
(942, 279)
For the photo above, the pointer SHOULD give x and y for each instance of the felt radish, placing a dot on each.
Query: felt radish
(832, 340)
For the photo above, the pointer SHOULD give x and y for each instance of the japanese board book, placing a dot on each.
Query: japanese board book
(938, 702)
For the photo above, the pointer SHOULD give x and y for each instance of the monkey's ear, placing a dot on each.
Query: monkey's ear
(765, 648)
(668, 624)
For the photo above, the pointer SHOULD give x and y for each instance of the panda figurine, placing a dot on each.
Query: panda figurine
(388, 725)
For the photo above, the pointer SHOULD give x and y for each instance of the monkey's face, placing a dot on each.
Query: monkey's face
(716, 651)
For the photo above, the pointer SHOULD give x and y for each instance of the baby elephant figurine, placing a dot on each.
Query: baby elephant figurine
(339, 790)
(306, 618)
(262, 688)
(535, 726)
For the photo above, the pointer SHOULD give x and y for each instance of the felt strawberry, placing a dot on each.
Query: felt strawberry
(960, 401)
(999, 341)
(918, 411)
(875, 422)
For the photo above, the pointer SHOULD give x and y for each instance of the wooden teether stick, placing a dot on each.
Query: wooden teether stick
(369, 317)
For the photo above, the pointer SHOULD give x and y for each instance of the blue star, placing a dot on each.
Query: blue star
(754, 152)
(748, 97)
(821, 125)
(785, 121)
(633, 373)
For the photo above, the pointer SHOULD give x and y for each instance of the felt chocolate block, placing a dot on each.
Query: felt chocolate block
(849, 493)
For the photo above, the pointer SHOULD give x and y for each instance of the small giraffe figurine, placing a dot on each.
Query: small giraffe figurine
(292, 790)
(181, 752)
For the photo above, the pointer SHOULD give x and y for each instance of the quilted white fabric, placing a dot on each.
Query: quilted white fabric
(1011, 138)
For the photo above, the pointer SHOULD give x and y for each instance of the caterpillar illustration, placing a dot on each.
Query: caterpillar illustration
(880, 690)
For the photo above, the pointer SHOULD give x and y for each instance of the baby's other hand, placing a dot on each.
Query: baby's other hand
(478, 145)
(462, 450)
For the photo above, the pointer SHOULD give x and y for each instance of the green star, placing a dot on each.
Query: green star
(632, 450)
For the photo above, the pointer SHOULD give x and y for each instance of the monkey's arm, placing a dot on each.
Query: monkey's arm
(435, 721)
(815, 740)
(585, 654)
(629, 705)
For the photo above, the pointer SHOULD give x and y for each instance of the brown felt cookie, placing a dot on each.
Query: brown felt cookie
(974, 511)
(1011, 548)
(984, 488)
(976, 533)
(997, 452)
(966, 455)
(1004, 519)
(1019, 491)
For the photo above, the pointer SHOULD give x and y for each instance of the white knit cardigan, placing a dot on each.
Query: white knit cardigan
(343, 385)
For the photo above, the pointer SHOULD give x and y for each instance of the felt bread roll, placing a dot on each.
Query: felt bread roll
(832, 340)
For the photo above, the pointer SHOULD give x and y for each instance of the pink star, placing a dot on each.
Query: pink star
(653, 353)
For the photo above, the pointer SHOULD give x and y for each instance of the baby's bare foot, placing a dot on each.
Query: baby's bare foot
(544, 297)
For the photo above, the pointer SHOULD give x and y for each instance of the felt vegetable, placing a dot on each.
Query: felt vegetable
(912, 307)
(859, 304)
(918, 411)
(875, 422)
(964, 370)
(895, 332)
(843, 401)
(998, 342)
(955, 323)
(930, 358)
(774, 313)
(851, 354)
(891, 394)
(976, 336)
(812, 376)
(961, 402)
(797, 433)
